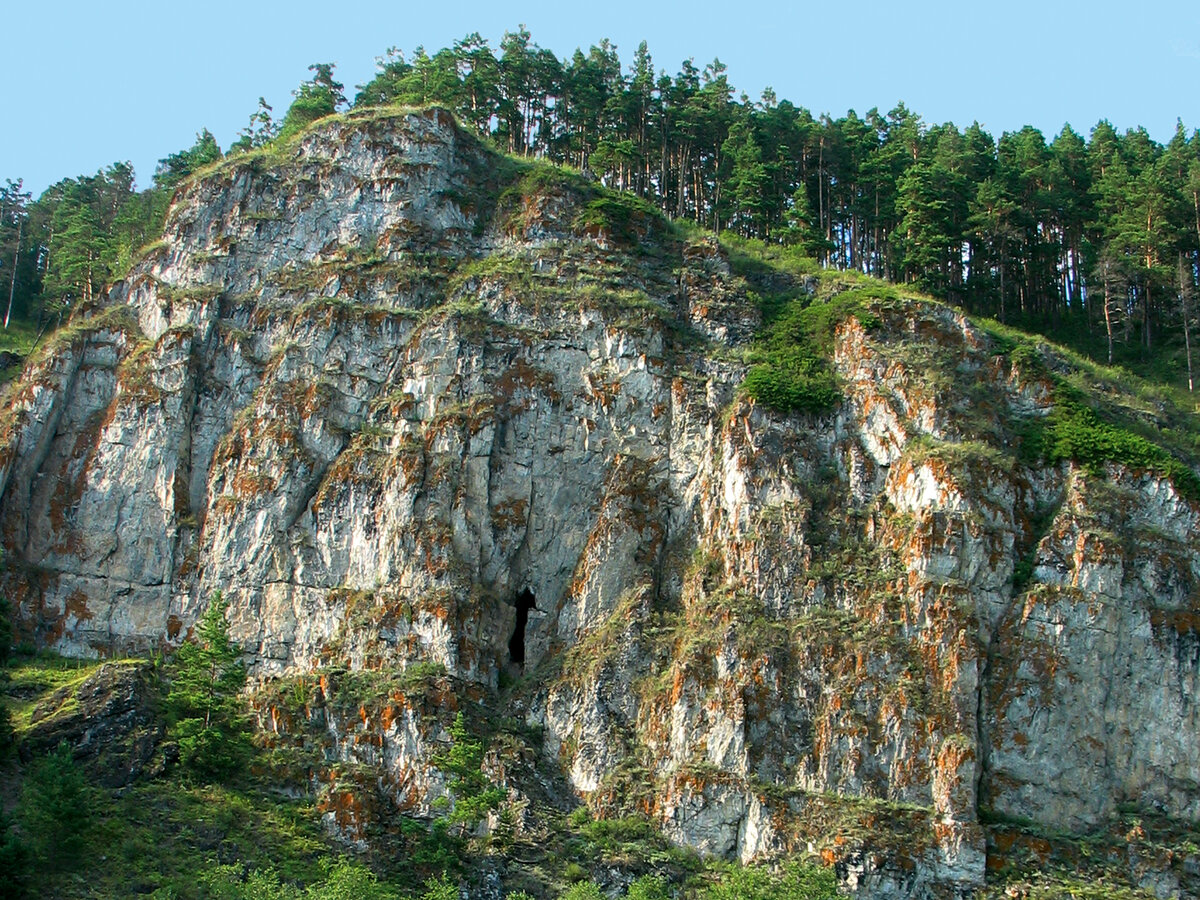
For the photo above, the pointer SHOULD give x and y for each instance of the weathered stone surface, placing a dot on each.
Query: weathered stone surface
(372, 401)
(110, 721)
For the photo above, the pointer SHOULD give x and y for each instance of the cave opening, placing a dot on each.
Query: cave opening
(516, 644)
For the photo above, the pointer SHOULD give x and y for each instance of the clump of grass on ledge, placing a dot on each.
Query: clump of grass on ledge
(1101, 415)
(792, 367)
(1073, 431)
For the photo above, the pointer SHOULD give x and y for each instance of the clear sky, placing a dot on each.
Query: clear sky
(91, 82)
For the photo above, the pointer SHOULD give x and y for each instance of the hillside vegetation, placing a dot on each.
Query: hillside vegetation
(180, 834)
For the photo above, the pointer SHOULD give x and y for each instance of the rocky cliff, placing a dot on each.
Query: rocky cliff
(449, 430)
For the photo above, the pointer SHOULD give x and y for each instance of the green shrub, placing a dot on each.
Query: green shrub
(792, 370)
(431, 848)
(1074, 432)
(343, 880)
(14, 862)
(797, 881)
(583, 890)
(648, 887)
(441, 888)
(348, 880)
(619, 214)
(793, 383)
(55, 809)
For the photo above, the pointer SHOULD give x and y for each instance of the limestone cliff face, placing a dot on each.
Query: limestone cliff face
(406, 405)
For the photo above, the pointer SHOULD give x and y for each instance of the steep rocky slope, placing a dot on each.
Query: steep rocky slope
(452, 431)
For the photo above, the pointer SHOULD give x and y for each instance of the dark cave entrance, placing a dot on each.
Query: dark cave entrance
(516, 644)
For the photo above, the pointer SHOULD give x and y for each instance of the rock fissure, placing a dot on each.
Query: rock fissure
(524, 603)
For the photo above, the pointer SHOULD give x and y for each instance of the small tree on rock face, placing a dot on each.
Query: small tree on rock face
(316, 98)
(260, 130)
(474, 794)
(205, 709)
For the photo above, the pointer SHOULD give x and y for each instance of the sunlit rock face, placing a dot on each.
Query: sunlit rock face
(403, 404)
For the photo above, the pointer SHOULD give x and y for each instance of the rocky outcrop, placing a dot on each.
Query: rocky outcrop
(110, 720)
(393, 396)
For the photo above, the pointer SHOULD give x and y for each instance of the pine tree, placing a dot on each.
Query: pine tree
(992, 222)
(747, 180)
(203, 703)
(54, 810)
(802, 230)
(258, 131)
(316, 98)
(178, 166)
(474, 794)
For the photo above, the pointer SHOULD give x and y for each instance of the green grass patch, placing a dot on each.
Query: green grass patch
(531, 179)
(802, 306)
(625, 217)
(752, 258)
(22, 338)
(1074, 432)
(1102, 415)
(30, 680)
(18, 338)
(160, 834)
(791, 367)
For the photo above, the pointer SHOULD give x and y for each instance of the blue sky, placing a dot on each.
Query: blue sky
(122, 80)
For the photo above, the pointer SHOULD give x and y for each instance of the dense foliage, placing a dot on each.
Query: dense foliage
(55, 810)
(1074, 431)
(61, 250)
(169, 836)
(792, 366)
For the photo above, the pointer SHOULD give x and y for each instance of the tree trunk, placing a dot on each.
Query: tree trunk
(821, 193)
(1001, 280)
(1184, 290)
(1108, 315)
(12, 287)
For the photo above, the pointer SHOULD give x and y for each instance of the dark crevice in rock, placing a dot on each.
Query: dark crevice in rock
(516, 644)
(18, 490)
